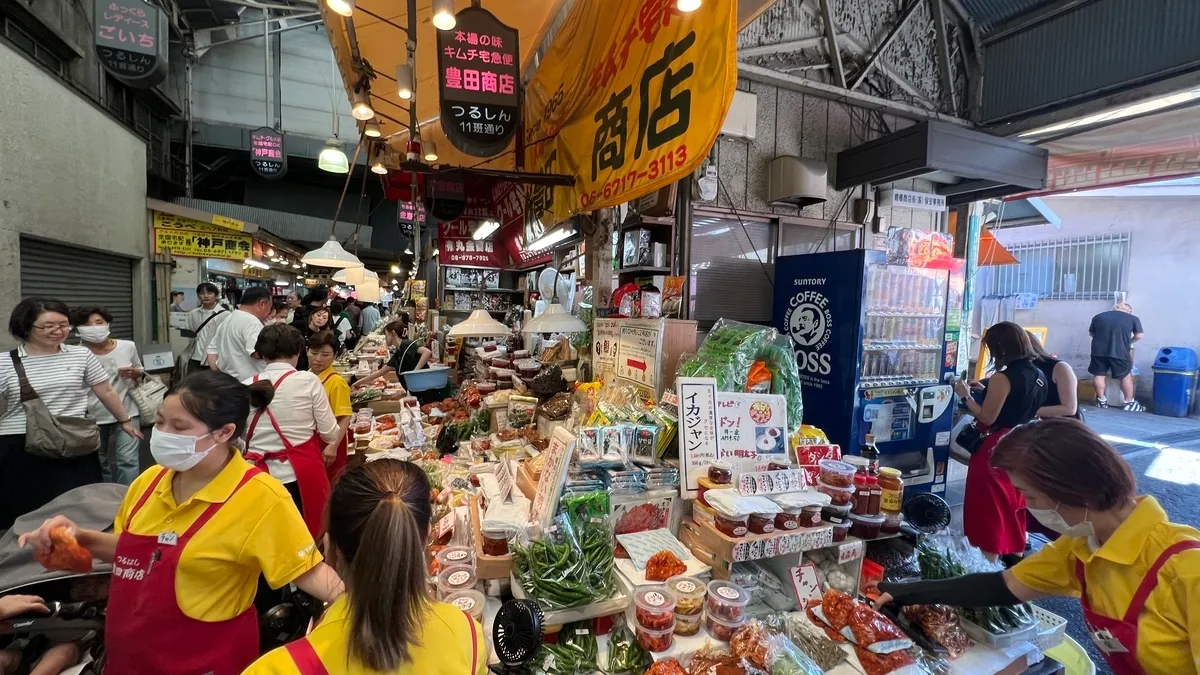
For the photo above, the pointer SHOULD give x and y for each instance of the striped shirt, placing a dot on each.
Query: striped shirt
(62, 380)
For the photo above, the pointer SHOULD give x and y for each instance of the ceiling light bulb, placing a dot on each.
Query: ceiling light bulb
(371, 129)
(333, 159)
(443, 15)
(343, 7)
(430, 151)
(687, 5)
(378, 167)
(395, 269)
(404, 81)
(360, 106)
(407, 250)
(485, 229)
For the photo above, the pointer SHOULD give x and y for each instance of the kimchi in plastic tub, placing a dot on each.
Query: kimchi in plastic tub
(655, 607)
(655, 640)
(726, 601)
(719, 629)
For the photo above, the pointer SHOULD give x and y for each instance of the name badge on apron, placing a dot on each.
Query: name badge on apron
(168, 538)
(1108, 643)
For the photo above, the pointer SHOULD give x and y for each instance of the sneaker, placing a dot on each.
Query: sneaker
(1134, 406)
(1101, 403)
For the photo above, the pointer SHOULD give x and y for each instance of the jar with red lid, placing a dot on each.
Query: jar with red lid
(731, 526)
(787, 519)
(761, 523)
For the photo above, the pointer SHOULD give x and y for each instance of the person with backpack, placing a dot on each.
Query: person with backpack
(343, 324)
(208, 315)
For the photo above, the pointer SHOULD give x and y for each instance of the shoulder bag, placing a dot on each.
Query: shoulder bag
(50, 436)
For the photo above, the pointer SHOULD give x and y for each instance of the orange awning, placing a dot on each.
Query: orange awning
(991, 251)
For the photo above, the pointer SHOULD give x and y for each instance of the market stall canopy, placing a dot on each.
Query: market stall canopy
(375, 33)
(991, 251)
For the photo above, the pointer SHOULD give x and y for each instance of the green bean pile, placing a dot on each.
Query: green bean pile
(569, 566)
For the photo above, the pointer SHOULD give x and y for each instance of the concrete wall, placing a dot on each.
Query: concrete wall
(71, 174)
(1164, 238)
(793, 123)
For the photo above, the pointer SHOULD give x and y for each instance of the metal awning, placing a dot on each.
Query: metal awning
(1022, 213)
(376, 33)
(967, 165)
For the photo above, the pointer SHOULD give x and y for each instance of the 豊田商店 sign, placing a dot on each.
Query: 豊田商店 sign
(131, 41)
(629, 98)
(267, 154)
(479, 80)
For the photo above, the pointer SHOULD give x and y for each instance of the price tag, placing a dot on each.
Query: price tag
(851, 550)
(805, 583)
(444, 526)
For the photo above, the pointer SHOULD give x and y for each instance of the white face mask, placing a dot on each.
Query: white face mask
(177, 451)
(93, 333)
(1052, 519)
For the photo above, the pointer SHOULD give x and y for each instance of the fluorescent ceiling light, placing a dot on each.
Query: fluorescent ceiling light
(485, 229)
(1132, 110)
(251, 262)
(551, 238)
(281, 282)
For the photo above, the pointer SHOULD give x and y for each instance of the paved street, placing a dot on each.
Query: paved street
(1165, 455)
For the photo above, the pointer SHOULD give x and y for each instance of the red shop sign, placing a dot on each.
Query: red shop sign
(508, 203)
(457, 247)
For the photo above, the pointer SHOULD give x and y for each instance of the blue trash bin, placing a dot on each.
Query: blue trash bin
(1174, 381)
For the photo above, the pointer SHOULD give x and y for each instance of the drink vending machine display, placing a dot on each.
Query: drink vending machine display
(870, 340)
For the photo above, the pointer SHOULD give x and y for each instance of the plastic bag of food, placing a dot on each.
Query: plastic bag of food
(780, 360)
(736, 344)
(758, 380)
(874, 631)
(664, 565)
(587, 446)
(644, 449)
(667, 667)
(808, 638)
(65, 554)
(550, 567)
(695, 365)
(625, 655)
(788, 659)
(752, 643)
(941, 624)
(597, 544)
(896, 663)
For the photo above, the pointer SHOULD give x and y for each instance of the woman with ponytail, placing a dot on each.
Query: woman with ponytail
(386, 623)
(192, 537)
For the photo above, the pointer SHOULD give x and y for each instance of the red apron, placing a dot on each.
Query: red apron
(1117, 638)
(309, 663)
(339, 461)
(306, 463)
(143, 610)
(993, 510)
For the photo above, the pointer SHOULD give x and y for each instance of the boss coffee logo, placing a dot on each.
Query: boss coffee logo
(810, 325)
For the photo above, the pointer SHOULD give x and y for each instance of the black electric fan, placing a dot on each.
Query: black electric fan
(927, 512)
(516, 636)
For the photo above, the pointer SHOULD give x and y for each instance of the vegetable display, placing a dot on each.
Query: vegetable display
(727, 353)
(938, 563)
(567, 566)
(625, 655)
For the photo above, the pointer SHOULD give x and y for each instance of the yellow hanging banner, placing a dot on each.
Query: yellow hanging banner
(629, 98)
(192, 238)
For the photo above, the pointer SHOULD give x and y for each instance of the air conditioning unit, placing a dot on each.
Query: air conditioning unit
(742, 120)
(797, 181)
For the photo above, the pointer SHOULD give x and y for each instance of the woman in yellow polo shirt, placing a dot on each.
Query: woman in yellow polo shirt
(386, 623)
(191, 539)
(1137, 574)
(322, 351)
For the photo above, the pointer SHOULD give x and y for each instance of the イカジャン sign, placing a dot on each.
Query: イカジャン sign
(697, 427)
(131, 41)
(267, 154)
(630, 97)
(479, 80)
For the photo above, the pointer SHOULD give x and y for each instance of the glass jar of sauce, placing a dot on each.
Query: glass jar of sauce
(761, 523)
(892, 488)
(730, 527)
(810, 516)
(720, 473)
(862, 494)
(788, 519)
(876, 496)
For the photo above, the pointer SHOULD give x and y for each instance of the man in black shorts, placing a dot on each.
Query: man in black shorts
(1113, 334)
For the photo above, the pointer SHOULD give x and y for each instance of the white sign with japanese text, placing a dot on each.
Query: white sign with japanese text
(637, 353)
(553, 478)
(913, 200)
(697, 428)
(805, 583)
(751, 430)
(605, 333)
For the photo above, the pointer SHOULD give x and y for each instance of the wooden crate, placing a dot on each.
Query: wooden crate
(486, 566)
(526, 483)
(757, 546)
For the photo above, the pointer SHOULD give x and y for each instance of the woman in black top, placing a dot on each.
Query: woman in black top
(1062, 395)
(406, 354)
(317, 321)
(993, 510)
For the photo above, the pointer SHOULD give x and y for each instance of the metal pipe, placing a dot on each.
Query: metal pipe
(413, 126)
(189, 62)
(682, 264)
(267, 65)
(268, 5)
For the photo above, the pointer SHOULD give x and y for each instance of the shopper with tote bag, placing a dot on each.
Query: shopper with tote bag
(47, 443)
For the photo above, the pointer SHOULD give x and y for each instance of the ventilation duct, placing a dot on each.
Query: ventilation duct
(796, 181)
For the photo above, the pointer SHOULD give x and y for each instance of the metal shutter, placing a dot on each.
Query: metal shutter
(80, 278)
(733, 268)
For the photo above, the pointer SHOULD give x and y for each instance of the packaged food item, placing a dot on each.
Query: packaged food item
(704, 484)
(720, 473)
(779, 465)
(65, 554)
(721, 629)
(758, 380)
(688, 624)
(789, 519)
(810, 516)
(751, 642)
(731, 526)
(865, 527)
(655, 606)
(841, 527)
(664, 565)
(859, 463)
(862, 495)
(645, 444)
(876, 496)
(876, 632)
(495, 541)
(941, 624)
(625, 655)
(892, 490)
(727, 601)
(614, 443)
(452, 556)
(668, 667)
(470, 601)
(656, 640)
(836, 473)
(882, 664)
(761, 523)
(838, 496)
(521, 410)
(454, 579)
(650, 303)
(891, 522)
(689, 594)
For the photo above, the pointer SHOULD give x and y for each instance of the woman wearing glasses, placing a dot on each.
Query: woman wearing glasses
(62, 376)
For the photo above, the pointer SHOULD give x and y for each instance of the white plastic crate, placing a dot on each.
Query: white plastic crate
(1052, 628)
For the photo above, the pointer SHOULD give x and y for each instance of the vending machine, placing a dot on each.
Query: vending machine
(874, 354)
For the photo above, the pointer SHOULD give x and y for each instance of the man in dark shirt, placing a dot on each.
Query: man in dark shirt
(1113, 334)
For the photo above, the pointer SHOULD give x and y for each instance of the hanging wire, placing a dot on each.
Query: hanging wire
(762, 264)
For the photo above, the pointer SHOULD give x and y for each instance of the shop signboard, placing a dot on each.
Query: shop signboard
(131, 41)
(630, 97)
(190, 238)
(409, 214)
(268, 156)
(445, 199)
(638, 348)
(751, 430)
(697, 428)
(456, 245)
(554, 476)
(465, 277)
(605, 333)
(924, 201)
(508, 202)
(479, 82)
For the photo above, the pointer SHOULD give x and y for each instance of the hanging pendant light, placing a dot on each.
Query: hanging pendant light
(333, 159)
(360, 106)
(687, 5)
(443, 15)
(349, 275)
(331, 254)
(371, 129)
(343, 7)
(404, 81)
(479, 324)
(430, 151)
